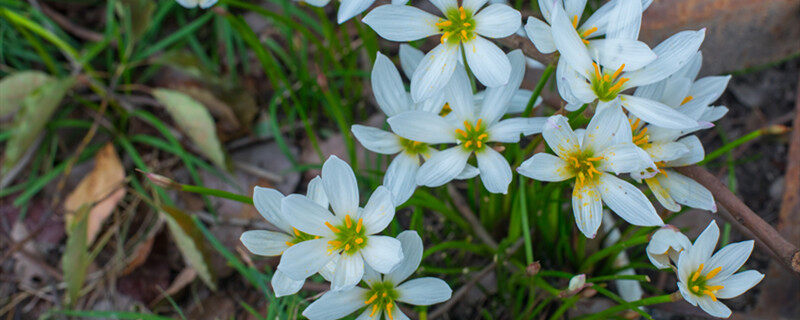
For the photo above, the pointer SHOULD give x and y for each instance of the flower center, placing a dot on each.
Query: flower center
(607, 86)
(584, 166)
(698, 283)
(300, 236)
(640, 137)
(349, 237)
(382, 296)
(473, 137)
(413, 147)
(459, 26)
(586, 33)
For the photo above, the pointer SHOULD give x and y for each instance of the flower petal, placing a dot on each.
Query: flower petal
(625, 20)
(265, 243)
(306, 215)
(713, 307)
(376, 140)
(305, 258)
(459, 94)
(268, 203)
(424, 291)
(495, 170)
(367, 314)
(496, 100)
(397, 314)
(473, 5)
(469, 172)
(574, 8)
(410, 58)
(662, 194)
(572, 86)
(628, 202)
(539, 33)
(509, 130)
(569, 43)
(423, 126)
(401, 23)
(672, 54)
(603, 127)
(730, 258)
(560, 137)
(694, 154)
(382, 253)
(519, 101)
(340, 186)
(588, 209)
(336, 304)
(624, 158)
(401, 177)
(388, 87)
(379, 211)
(434, 71)
(488, 63)
(445, 5)
(497, 21)
(349, 271)
(282, 285)
(709, 88)
(738, 283)
(350, 8)
(412, 255)
(613, 53)
(703, 247)
(665, 151)
(686, 191)
(657, 113)
(442, 167)
(316, 192)
(545, 167)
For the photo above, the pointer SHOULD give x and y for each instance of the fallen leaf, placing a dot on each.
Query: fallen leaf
(190, 242)
(75, 260)
(16, 86)
(184, 278)
(193, 118)
(217, 107)
(101, 189)
(37, 108)
(139, 255)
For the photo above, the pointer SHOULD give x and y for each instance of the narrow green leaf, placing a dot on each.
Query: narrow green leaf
(75, 260)
(194, 119)
(189, 240)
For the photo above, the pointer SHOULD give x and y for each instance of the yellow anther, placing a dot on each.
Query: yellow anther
(296, 232)
(466, 24)
(389, 311)
(710, 294)
(696, 274)
(581, 177)
(478, 144)
(634, 124)
(462, 13)
(715, 288)
(483, 136)
(713, 273)
(461, 132)
(371, 299)
(607, 78)
(347, 221)
(335, 243)
(443, 24)
(334, 229)
(467, 125)
(478, 124)
(618, 84)
(585, 41)
(596, 71)
(289, 244)
(346, 247)
(374, 308)
(464, 34)
(359, 240)
(588, 32)
(618, 72)
(467, 144)
(664, 172)
(594, 159)
(383, 295)
(359, 224)
(696, 288)
(687, 99)
(575, 21)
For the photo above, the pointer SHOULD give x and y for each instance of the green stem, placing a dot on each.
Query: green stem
(637, 277)
(538, 90)
(750, 136)
(526, 229)
(605, 314)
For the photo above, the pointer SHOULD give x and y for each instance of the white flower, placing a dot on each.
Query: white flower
(203, 4)
(576, 283)
(463, 28)
(665, 246)
(604, 21)
(472, 128)
(703, 278)
(348, 234)
(349, 8)
(590, 163)
(601, 74)
(273, 243)
(392, 98)
(383, 292)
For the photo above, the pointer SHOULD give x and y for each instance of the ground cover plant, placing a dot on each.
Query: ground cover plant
(372, 160)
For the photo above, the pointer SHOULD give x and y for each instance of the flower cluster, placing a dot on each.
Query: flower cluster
(646, 104)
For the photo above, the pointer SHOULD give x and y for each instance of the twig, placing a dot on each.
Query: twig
(74, 29)
(463, 208)
(787, 252)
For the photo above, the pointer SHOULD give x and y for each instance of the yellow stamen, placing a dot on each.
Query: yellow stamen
(478, 144)
(664, 172)
(371, 299)
(445, 36)
(713, 273)
(466, 24)
(483, 136)
(374, 308)
(585, 41)
(715, 288)
(335, 244)
(464, 34)
(588, 32)
(581, 177)
(383, 295)
(596, 71)
(687, 99)
(461, 132)
(710, 294)
(462, 13)
(347, 221)
(635, 124)
(618, 72)
(594, 159)
(618, 84)
(359, 240)
(296, 232)
(697, 273)
(467, 125)
(607, 78)
(467, 144)
(443, 24)
(358, 225)
(347, 247)
(389, 311)
(575, 21)
(334, 229)
(289, 244)
(695, 288)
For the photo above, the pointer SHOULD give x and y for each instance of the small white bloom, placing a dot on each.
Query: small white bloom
(203, 4)
(463, 28)
(665, 246)
(591, 162)
(703, 278)
(273, 243)
(577, 283)
(348, 8)
(472, 128)
(383, 292)
(349, 234)
(629, 290)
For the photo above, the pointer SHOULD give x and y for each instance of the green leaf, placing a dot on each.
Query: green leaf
(37, 108)
(75, 260)
(189, 240)
(194, 119)
(16, 87)
(139, 12)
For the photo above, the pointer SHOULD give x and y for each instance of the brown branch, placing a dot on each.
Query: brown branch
(787, 253)
(465, 211)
